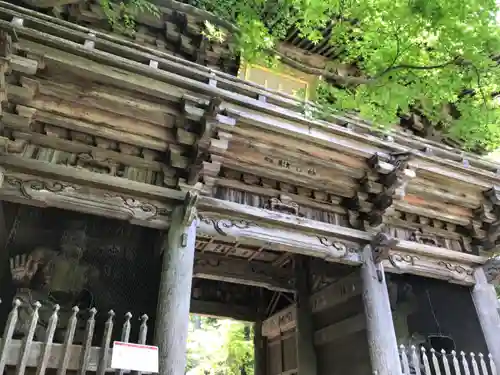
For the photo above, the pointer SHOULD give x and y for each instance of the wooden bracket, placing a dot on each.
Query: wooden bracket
(381, 245)
(492, 270)
(394, 177)
(189, 212)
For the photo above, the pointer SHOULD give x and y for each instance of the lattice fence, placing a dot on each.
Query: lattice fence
(423, 362)
(65, 356)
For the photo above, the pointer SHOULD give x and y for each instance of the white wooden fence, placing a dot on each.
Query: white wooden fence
(416, 361)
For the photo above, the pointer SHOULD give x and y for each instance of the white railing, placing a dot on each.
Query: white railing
(416, 361)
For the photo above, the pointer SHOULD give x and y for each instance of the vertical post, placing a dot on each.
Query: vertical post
(174, 297)
(485, 300)
(384, 352)
(306, 354)
(259, 340)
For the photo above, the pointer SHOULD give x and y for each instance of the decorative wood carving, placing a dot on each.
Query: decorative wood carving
(425, 239)
(381, 246)
(284, 204)
(189, 212)
(492, 270)
(72, 196)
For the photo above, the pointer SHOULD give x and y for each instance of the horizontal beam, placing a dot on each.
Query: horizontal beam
(223, 310)
(241, 271)
(44, 185)
(291, 122)
(327, 298)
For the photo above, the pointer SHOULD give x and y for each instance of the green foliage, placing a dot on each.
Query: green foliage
(413, 53)
(219, 347)
(121, 15)
(407, 54)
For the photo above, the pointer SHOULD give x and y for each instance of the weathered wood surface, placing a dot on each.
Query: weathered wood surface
(144, 205)
(242, 271)
(175, 289)
(379, 323)
(148, 126)
(334, 294)
(486, 302)
(304, 333)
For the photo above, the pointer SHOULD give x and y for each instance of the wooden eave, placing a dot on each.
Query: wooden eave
(173, 127)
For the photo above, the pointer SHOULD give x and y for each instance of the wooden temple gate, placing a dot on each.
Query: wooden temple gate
(235, 202)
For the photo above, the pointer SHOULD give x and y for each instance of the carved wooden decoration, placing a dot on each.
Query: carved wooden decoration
(381, 246)
(492, 270)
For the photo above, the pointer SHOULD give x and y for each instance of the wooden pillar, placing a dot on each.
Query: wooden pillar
(306, 354)
(260, 349)
(174, 297)
(259, 340)
(380, 328)
(485, 300)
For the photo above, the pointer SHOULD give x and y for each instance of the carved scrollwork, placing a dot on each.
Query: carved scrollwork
(146, 210)
(403, 258)
(337, 246)
(381, 245)
(220, 225)
(456, 268)
(26, 186)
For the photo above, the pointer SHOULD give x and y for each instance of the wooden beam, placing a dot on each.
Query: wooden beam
(45, 185)
(241, 271)
(223, 310)
(340, 330)
(84, 177)
(327, 298)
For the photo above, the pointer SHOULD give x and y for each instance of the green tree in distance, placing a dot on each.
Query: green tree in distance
(219, 347)
(439, 58)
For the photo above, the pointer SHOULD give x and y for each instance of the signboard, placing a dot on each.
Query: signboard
(134, 357)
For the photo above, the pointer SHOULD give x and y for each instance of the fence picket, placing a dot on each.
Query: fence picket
(493, 366)
(8, 333)
(435, 362)
(446, 363)
(87, 342)
(68, 341)
(425, 359)
(404, 360)
(475, 367)
(28, 339)
(106, 341)
(51, 329)
(143, 333)
(125, 335)
(465, 364)
(484, 367)
(456, 364)
(415, 360)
